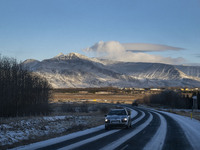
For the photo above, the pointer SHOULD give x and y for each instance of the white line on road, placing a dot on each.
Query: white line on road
(138, 119)
(123, 148)
(120, 141)
(78, 144)
(158, 139)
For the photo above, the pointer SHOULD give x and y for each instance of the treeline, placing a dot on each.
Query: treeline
(21, 92)
(198, 99)
(171, 99)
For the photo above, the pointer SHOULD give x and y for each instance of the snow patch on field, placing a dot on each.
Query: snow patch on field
(59, 139)
(30, 128)
(79, 120)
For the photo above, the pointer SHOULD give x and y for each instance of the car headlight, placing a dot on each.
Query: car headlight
(106, 120)
(124, 120)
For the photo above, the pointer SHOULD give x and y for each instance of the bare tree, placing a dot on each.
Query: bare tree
(21, 92)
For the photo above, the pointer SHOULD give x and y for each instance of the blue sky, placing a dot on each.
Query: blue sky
(41, 29)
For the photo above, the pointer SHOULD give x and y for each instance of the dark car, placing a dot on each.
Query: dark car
(135, 103)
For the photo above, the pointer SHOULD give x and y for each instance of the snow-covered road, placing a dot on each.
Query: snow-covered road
(191, 128)
(151, 129)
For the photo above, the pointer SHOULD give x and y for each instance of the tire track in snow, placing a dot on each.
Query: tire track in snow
(78, 144)
(158, 139)
(190, 128)
(179, 136)
(97, 132)
(138, 119)
(98, 144)
(86, 141)
(126, 137)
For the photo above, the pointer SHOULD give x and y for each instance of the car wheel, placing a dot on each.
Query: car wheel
(107, 127)
(130, 125)
(127, 126)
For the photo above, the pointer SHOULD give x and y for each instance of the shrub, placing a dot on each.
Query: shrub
(169, 98)
(74, 107)
(104, 109)
(68, 108)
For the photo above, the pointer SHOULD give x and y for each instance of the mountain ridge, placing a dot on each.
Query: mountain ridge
(76, 70)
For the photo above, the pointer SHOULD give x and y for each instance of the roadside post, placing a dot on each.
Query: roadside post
(194, 106)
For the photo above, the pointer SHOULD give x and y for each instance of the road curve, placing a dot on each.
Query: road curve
(151, 130)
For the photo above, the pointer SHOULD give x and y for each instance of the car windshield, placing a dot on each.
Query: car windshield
(117, 112)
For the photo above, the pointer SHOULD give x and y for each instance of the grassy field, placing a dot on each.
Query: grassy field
(102, 98)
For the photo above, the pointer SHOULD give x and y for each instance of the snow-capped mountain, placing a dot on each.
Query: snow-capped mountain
(76, 70)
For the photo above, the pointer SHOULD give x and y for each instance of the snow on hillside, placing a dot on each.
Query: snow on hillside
(190, 70)
(30, 64)
(76, 70)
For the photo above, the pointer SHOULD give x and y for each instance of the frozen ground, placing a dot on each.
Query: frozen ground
(66, 137)
(188, 125)
(16, 130)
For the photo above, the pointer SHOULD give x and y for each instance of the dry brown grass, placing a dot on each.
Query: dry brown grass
(105, 98)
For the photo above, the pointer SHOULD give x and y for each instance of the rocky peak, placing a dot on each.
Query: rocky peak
(28, 61)
(70, 56)
(59, 55)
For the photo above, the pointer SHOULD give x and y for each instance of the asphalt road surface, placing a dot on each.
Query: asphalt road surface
(151, 130)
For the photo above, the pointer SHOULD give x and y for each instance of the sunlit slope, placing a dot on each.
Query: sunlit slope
(76, 70)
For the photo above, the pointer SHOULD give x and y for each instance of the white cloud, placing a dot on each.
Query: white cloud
(133, 52)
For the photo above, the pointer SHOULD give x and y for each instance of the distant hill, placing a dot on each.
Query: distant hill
(76, 70)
